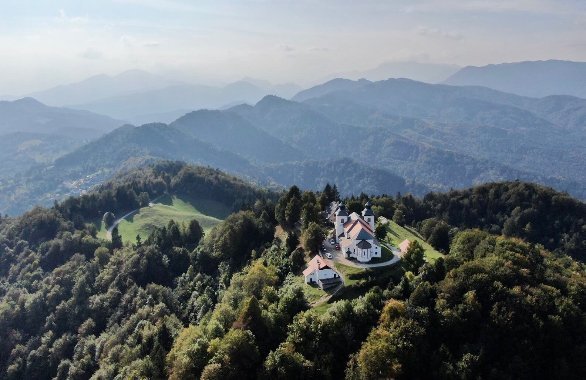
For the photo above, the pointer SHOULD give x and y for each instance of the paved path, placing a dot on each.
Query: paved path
(338, 257)
(119, 220)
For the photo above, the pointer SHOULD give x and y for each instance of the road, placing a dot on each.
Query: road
(338, 257)
(119, 220)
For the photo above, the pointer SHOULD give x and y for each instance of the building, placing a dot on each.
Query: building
(404, 246)
(319, 272)
(355, 233)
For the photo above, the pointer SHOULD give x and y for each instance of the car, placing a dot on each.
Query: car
(332, 241)
(337, 247)
(329, 255)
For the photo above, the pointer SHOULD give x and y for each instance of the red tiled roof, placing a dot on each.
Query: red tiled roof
(315, 263)
(404, 246)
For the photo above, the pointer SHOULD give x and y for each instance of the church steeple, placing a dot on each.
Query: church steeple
(368, 215)
(341, 218)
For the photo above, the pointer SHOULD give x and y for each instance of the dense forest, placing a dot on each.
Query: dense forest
(506, 301)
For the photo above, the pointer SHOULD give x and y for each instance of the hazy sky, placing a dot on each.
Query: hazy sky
(44, 43)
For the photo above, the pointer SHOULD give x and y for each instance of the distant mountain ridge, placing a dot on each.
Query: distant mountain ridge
(102, 86)
(521, 133)
(419, 71)
(140, 97)
(389, 136)
(529, 78)
(30, 115)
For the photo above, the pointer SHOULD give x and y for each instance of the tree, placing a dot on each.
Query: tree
(194, 233)
(144, 199)
(108, 219)
(292, 241)
(399, 216)
(309, 214)
(285, 363)
(380, 231)
(237, 353)
(250, 318)
(440, 237)
(297, 258)
(116, 238)
(312, 237)
(414, 258)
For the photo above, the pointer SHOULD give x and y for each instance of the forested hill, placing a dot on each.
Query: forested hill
(135, 188)
(528, 211)
(231, 303)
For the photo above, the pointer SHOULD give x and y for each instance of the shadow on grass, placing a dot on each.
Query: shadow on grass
(166, 200)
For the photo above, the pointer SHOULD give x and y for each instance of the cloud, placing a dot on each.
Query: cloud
(128, 41)
(162, 5)
(490, 6)
(151, 44)
(320, 49)
(91, 53)
(287, 48)
(76, 20)
(436, 32)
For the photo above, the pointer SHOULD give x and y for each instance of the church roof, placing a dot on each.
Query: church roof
(367, 212)
(367, 209)
(362, 234)
(342, 210)
(363, 244)
(357, 223)
(317, 263)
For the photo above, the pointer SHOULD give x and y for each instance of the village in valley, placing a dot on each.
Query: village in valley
(352, 247)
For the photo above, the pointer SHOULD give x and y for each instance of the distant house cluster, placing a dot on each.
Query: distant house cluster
(355, 233)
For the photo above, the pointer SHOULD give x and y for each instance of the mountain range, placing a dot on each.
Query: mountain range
(530, 78)
(396, 135)
(33, 133)
(140, 97)
(419, 71)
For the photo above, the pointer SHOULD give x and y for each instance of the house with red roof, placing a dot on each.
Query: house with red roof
(404, 246)
(355, 233)
(319, 272)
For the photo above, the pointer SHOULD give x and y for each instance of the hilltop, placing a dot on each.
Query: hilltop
(186, 301)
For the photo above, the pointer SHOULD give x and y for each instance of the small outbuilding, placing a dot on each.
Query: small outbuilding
(319, 272)
(404, 246)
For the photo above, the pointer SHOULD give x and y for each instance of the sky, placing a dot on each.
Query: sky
(44, 43)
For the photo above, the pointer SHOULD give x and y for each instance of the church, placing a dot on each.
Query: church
(355, 233)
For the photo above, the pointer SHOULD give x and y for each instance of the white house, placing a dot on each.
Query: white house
(355, 233)
(320, 273)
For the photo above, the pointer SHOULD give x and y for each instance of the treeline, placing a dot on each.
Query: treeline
(494, 308)
(531, 212)
(138, 187)
(77, 307)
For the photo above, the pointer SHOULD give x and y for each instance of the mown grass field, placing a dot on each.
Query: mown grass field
(208, 213)
(396, 234)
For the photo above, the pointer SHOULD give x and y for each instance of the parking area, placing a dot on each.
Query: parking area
(328, 250)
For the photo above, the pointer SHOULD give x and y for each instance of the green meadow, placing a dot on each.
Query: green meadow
(180, 209)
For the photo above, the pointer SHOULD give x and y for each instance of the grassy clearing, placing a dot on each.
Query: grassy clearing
(352, 276)
(396, 234)
(182, 210)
